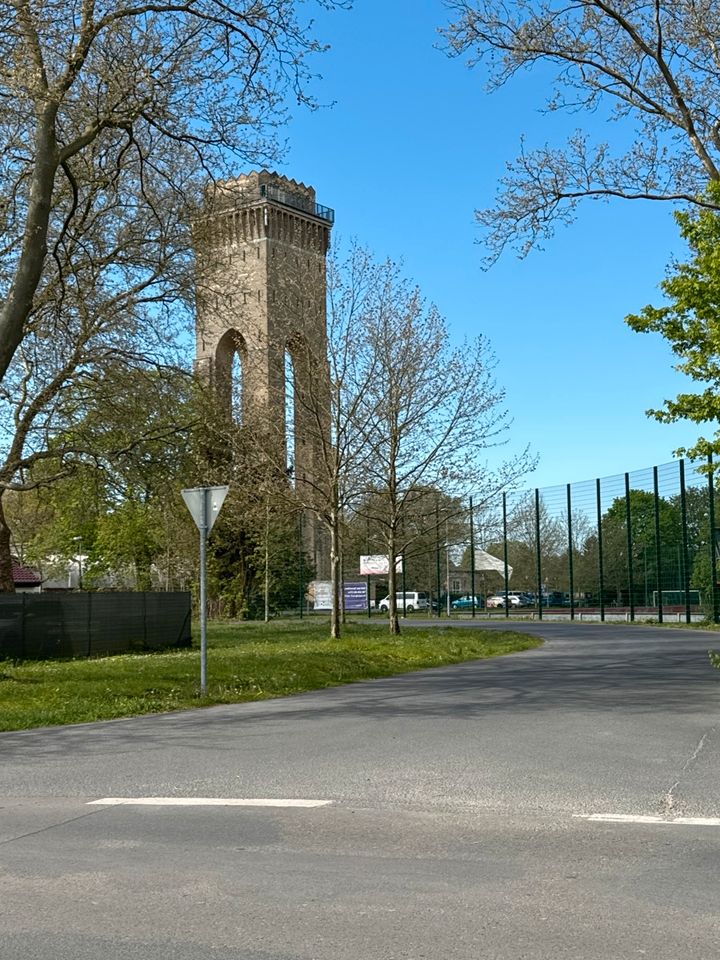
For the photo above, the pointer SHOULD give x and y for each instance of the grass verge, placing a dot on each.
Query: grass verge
(246, 661)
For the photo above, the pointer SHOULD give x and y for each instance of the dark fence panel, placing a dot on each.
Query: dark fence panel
(42, 626)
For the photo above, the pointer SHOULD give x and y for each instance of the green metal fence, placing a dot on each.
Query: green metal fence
(638, 545)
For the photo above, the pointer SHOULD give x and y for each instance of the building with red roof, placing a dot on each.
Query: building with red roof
(25, 579)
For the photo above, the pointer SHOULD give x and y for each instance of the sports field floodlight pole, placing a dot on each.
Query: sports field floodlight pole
(204, 504)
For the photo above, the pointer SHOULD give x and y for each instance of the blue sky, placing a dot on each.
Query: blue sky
(411, 147)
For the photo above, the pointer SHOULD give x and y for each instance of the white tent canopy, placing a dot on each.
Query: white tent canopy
(485, 561)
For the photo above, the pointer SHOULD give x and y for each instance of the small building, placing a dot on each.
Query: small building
(25, 579)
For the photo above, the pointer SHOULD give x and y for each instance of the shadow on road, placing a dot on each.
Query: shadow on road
(640, 669)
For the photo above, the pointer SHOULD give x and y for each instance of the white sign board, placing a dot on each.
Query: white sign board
(354, 595)
(320, 594)
(378, 564)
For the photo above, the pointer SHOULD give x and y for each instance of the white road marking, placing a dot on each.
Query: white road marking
(204, 802)
(699, 821)
(641, 818)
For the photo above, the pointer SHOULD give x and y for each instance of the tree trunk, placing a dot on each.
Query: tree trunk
(392, 586)
(267, 562)
(19, 298)
(335, 629)
(7, 584)
(343, 615)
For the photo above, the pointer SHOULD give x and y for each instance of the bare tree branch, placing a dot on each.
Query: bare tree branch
(653, 62)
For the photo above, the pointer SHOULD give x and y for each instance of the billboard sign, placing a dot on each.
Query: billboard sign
(355, 596)
(378, 564)
(320, 594)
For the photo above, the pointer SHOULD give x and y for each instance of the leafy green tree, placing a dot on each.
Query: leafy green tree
(258, 566)
(29, 515)
(690, 322)
(111, 477)
(127, 538)
(112, 118)
(644, 557)
(700, 543)
(71, 507)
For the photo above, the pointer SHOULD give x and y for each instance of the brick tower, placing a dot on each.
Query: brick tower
(261, 246)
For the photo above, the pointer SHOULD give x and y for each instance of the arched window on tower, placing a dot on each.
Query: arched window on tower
(236, 388)
(230, 369)
(290, 416)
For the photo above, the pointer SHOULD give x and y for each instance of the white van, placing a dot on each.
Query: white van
(406, 602)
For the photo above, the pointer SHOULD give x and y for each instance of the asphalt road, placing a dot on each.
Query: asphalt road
(457, 822)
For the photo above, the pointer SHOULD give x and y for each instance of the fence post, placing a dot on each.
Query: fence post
(713, 553)
(301, 592)
(658, 558)
(628, 524)
(472, 559)
(685, 565)
(570, 554)
(538, 554)
(505, 551)
(601, 575)
(89, 622)
(23, 645)
(437, 555)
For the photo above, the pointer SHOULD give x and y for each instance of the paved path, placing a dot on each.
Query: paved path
(458, 826)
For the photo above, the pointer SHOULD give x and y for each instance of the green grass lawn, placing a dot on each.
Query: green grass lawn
(246, 661)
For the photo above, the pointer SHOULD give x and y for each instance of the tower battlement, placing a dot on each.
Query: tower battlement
(261, 186)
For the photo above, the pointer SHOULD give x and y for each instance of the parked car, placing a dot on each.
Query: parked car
(554, 598)
(466, 603)
(549, 598)
(523, 599)
(497, 600)
(515, 599)
(406, 602)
